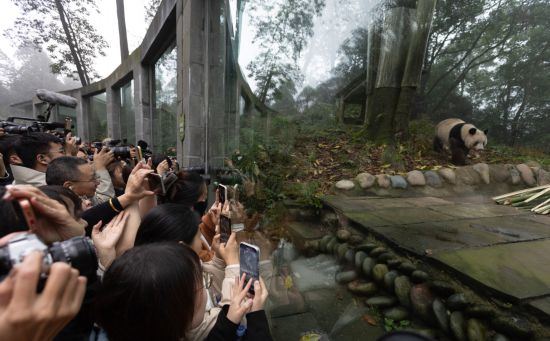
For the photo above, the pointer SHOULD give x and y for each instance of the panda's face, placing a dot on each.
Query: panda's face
(475, 139)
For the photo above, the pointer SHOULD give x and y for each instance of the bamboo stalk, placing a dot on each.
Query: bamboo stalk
(528, 190)
(538, 194)
(542, 204)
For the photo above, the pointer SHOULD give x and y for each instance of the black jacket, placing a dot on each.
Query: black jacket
(224, 329)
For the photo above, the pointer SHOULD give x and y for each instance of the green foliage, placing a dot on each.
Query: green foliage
(390, 324)
(305, 193)
(72, 46)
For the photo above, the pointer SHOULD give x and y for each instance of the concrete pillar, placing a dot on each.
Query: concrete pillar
(142, 105)
(113, 112)
(192, 105)
(82, 116)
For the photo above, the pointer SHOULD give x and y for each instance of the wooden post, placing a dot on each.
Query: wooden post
(341, 110)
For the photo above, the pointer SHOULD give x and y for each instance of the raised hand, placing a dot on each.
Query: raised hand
(105, 240)
(240, 305)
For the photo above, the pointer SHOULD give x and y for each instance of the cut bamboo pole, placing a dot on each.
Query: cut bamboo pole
(528, 190)
(542, 204)
(538, 194)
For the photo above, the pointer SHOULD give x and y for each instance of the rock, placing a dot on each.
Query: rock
(457, 301)
(515, 176)
(394, 263)
(448, 175)
(345, 185)
(342, 250)
(433, 180)
(331, 245)
(378, 251)
(389, 280)
(422, 301)
(383, 180)
(362, 288)
(543, 177)
(343, 235)
(467, 175)
(346, 276)
(499, 173)
(359, 258)
(441, 315)
(324, 242)
(367, 266)
(428, 333)
(379, 271)
(442, 288)
(456, 323)
(533, 164)
(480, 311)
(381, 301)
(513, 325)
(367, 247)
(365, 180)
(383, 258)
(402, 290)
(355, 239)
(396, 314)
(419, 276)
(407, 267)
(475, 330)
(416, 178)
(349, 256)
(499, 337)
(397, 181)
(483, 171)
(526, 174)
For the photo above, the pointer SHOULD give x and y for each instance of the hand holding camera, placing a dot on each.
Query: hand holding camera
(28, 315)
(229, 251)
(54, 222)
(103, 157)
(240, 303)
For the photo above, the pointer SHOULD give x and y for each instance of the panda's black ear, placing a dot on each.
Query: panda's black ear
(472, 131)
(486, 131)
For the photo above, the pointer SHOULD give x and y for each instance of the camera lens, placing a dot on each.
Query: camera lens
(79, 252)
(5, 261)
(122, 152)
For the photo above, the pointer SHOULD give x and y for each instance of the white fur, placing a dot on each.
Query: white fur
(476, 141)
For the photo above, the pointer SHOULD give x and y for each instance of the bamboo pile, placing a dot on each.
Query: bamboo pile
(536, 199)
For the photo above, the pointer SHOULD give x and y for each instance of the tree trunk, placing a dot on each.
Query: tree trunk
(77, 62)
(123, 38)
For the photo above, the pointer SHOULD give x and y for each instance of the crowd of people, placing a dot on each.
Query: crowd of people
(159, 270)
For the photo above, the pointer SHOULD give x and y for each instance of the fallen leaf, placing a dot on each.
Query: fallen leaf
(370, 319)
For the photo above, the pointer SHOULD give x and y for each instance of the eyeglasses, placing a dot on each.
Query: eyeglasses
(95, 179)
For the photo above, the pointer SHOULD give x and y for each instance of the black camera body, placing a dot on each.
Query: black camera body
(79, 252)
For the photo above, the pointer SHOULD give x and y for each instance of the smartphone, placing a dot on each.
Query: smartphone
(249, 256)
(222, 192)
(225, 228)
(156, 183)
(139, 154)
(28, 213)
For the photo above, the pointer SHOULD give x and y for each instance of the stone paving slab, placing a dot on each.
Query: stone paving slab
(477, 210)
(519, 270)
(542, 305)
(411, 215)
(499, 247)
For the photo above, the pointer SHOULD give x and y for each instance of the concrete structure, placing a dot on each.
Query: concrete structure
(202, 119)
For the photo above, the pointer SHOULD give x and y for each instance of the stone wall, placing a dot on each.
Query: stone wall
(493, 179)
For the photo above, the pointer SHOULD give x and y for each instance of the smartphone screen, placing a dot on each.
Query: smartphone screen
(225, 228)
(222, 192)
(250, 262)
(139, 153)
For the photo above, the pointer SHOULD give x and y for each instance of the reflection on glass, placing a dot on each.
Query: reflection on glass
(98, 117)
(71, 113)
(127, 119)
(164, 113)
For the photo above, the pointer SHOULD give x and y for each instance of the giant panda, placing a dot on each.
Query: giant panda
(460, 137)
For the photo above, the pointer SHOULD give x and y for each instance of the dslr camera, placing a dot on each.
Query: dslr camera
(79, 252)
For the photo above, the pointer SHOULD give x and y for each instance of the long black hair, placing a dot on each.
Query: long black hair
(149, 293)
(168, 222)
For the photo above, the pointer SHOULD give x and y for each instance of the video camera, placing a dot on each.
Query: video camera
(79, 252)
